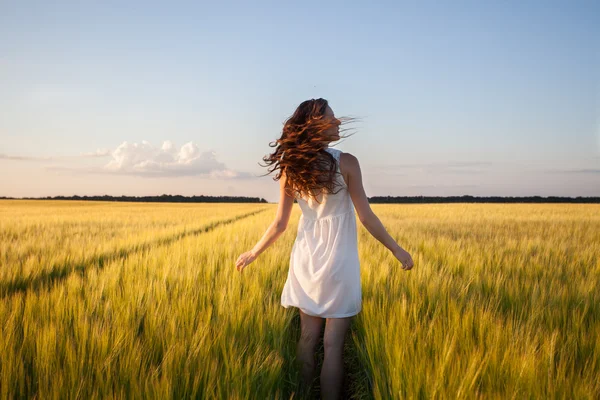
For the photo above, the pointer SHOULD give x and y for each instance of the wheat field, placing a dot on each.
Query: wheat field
(143, 300)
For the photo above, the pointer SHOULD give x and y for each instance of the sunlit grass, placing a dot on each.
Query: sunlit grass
(43, 241)
(503, 302)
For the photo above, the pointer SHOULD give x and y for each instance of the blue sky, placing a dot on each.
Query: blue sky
(145, 98)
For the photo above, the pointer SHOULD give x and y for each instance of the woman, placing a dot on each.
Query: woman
(324, 274)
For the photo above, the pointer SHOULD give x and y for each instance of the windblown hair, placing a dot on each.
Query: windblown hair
(300, 151)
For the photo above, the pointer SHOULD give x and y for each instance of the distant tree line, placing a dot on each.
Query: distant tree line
(165, 198)
(484, 199)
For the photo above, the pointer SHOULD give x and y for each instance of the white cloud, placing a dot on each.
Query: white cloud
(147, 160)
(144, 159)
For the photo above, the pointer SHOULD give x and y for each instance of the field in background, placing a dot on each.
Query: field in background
(106, 299)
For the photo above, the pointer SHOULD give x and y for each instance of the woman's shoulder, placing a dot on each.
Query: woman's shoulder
(348, 162)
(349, 158)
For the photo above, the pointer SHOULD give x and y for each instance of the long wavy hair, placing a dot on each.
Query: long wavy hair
(300, 151)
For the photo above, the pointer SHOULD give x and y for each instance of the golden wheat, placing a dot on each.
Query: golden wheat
(140, 300)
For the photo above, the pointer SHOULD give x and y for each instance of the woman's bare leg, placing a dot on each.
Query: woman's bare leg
(332, 371)
(310, 334)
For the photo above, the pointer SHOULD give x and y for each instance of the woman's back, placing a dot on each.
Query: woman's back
(330, 204)
(324, 274)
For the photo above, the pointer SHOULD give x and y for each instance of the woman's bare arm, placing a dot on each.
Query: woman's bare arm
(366, 215)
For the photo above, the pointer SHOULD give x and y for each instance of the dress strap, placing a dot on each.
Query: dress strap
(336, 153)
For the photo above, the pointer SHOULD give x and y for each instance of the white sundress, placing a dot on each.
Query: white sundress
(324, 272)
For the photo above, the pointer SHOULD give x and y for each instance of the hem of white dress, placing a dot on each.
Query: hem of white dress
(351, 314)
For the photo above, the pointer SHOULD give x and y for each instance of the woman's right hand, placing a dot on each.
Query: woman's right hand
(404, 257)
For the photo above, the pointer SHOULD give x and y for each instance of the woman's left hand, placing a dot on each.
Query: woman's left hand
(244, 260)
